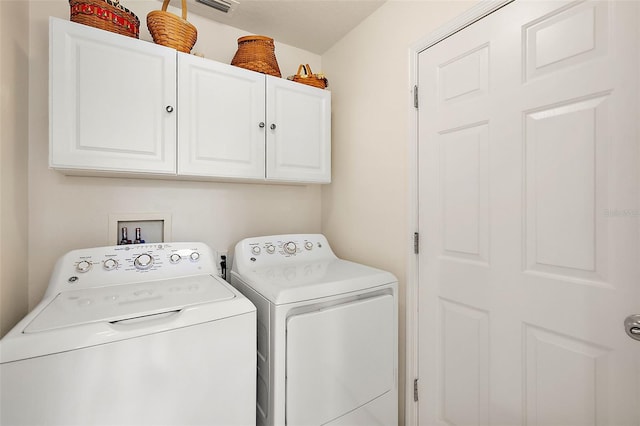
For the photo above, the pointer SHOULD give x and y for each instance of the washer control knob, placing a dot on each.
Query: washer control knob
(144, 261)
(271, 249)
(110, 264)
(255, 250)
(195, 256)
(175, 258)
(83, 266)
(290, 247)
(308, 245)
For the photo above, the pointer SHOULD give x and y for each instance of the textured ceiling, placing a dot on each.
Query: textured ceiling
(313, 25)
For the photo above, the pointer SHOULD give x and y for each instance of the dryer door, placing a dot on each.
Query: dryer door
(339, 359)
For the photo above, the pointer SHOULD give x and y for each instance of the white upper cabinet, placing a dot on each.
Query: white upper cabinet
(112, 103)
(121, 105)
(298, 132)
(221, 108)
(225, 130)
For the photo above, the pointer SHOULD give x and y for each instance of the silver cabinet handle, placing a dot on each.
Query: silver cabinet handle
(169, 108)
(261, 125)
(273, 127)
(632, 326)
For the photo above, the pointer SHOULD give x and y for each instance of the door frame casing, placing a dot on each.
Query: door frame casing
(482, 9)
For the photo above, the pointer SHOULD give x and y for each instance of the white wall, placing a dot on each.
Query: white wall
(72, 212)
(363, 212)
(14, 66)
(365, 209)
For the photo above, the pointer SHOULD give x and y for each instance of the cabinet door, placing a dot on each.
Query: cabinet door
(112, 103)
(221, 119)
(298, 132)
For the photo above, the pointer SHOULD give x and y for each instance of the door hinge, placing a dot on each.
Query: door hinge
(415, 390)
(415, 96)
(416, 242)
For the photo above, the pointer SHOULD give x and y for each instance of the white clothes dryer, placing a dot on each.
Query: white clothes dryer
(327, 333)
(132, 335)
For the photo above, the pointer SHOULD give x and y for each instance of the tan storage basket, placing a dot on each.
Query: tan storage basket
(107, 15)
(257, 53)
(306, 76)
(171, 30)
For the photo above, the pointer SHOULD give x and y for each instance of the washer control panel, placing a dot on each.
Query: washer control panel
(103, 266)
(279, 249)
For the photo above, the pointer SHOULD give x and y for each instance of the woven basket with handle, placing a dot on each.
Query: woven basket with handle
(306, 76)
(257, 53)
(171, 30)
(105, 14)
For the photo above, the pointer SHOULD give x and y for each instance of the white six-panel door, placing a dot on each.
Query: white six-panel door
(529, 218)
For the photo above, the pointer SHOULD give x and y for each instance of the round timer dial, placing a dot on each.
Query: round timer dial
(83, 266)
(290, 247)
(110, 264)
(144, 261)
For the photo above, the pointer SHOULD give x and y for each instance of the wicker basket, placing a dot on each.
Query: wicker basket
(171, 30)
(257, 53)
(306, 76)
(107, 15)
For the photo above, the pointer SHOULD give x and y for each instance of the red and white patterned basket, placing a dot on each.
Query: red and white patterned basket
(107, 15)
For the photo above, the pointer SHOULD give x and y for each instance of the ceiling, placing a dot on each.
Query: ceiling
(313, 25)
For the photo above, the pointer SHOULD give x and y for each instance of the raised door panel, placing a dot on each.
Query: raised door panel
(221, 108)
(112, 104)
(298, 132)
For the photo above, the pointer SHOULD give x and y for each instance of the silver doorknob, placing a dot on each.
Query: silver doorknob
(273, 127)
(632, 326)
(169, 108)
(261, 125)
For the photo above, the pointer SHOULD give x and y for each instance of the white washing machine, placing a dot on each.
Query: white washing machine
(327, 333)
(132, 335)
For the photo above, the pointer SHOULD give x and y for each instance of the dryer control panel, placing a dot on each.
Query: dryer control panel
(124, 264)
(281, 250)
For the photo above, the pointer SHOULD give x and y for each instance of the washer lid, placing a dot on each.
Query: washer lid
(121, 302)
(312, 280)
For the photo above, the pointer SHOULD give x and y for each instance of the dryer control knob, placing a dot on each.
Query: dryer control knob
(290, 247)
(110, 264)
(255, 250)
(175, 258)
(308, 245)
(271, 249)
(83, 266)
(195, 256)
(144, 261)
